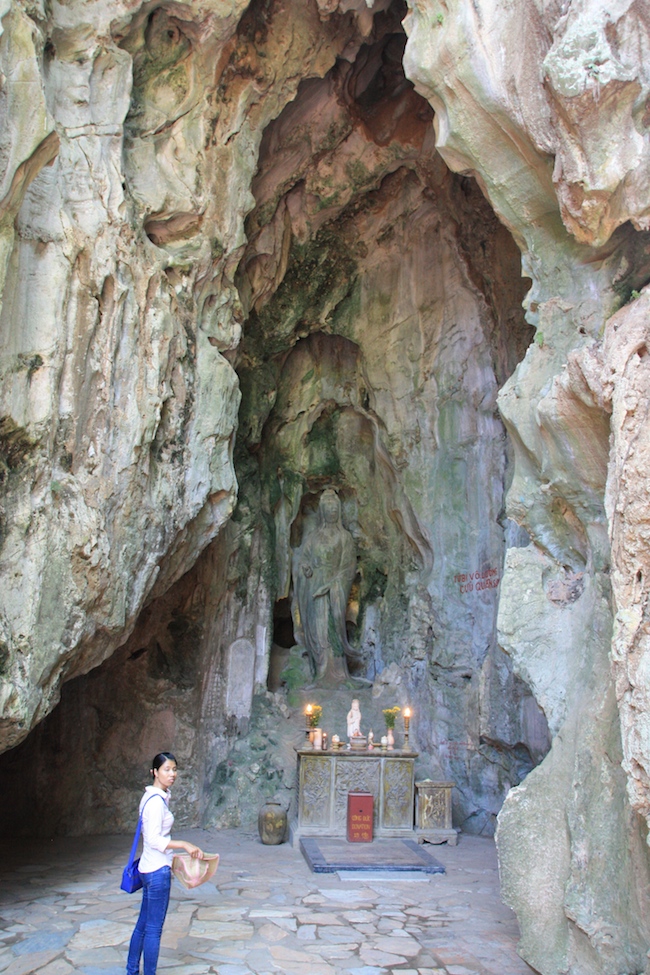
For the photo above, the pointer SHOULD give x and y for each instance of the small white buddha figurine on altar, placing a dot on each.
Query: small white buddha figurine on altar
(354, 720)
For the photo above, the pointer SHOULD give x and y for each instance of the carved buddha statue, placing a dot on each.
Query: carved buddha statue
(324, 570)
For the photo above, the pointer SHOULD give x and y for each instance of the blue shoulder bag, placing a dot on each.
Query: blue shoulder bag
(131, 879)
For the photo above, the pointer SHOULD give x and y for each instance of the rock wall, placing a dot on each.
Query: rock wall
(204, 202)
(172, 685)
(532, 107)
(127, 163)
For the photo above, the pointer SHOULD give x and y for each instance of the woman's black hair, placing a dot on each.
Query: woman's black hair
(160, 759)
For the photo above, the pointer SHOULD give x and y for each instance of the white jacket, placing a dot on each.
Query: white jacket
(157, 822)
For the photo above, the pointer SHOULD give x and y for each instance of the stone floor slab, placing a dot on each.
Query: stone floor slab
(28, 964)
(43, 941)
(222, 930)
(58, 967)
(97, 970)
(370, 876)
(377, 957)
(233, 970)
(94, 956)
(271, 932)
(99, 934)
(170, 967)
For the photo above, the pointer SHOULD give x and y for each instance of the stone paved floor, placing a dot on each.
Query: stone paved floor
(62, 912)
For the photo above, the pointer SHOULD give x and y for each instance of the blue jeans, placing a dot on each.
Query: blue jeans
(148, 930)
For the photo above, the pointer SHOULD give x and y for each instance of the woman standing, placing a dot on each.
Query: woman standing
(155, 865)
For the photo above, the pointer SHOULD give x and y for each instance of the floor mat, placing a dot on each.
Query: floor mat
(331, 855)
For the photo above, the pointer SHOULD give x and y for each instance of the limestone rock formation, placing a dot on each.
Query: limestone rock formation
(127, 165)
(252, 251)
(594, 85)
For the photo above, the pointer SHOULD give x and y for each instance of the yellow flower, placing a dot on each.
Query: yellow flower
(389, 716)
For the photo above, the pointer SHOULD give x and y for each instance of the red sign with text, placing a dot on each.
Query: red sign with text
(360, 807)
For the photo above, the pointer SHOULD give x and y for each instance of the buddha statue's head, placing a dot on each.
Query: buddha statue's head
(330, 507)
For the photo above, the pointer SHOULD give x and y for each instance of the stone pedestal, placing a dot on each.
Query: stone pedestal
(325, 778)
(433, 812)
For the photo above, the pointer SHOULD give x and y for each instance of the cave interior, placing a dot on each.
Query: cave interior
(381, 304)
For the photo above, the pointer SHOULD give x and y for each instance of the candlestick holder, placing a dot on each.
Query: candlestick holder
(407, 721)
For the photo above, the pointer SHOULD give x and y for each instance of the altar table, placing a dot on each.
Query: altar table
(326, 777)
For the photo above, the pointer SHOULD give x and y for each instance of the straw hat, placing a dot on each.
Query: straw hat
(191, 872)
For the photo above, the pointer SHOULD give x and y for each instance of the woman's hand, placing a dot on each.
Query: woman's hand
(193, 851)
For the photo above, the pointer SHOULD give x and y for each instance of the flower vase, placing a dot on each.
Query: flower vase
(391, 738)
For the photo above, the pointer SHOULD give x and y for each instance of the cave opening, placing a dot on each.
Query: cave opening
(282, 642)
(383, 304)
(381, 308)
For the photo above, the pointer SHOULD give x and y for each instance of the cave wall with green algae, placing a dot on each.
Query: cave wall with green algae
(373, 365)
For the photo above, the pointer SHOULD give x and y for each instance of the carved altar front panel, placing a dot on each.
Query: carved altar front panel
(433, 805)
(397, 794)
(326, 778)
(356, 775)
(316, 789)
(434, 809)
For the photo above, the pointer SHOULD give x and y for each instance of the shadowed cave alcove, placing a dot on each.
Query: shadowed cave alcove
(382, 308)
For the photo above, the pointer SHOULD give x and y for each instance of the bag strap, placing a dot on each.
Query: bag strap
(138, 830)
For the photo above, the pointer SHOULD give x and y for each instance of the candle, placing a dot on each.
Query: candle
(308, 713)
(407, 719)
